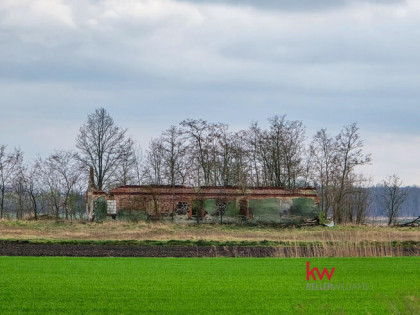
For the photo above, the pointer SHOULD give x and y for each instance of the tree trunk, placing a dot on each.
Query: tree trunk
(34, 208)
(2, 202)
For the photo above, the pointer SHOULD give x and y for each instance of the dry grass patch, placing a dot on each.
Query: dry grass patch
(115, 230)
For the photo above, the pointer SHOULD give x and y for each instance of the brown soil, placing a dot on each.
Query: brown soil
(28, 249)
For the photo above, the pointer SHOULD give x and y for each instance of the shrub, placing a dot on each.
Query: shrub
(322, 217)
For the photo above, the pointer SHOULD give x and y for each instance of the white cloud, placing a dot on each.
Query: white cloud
(21, 14)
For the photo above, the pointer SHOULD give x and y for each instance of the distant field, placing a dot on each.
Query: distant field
(112, 230)
(207, 285)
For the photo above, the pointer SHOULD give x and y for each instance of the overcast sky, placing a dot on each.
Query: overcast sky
(154, 63)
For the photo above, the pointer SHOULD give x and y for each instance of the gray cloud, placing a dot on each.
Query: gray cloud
(293, 5)
(154, 63)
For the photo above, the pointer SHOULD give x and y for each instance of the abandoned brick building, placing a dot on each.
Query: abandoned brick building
(187, 201)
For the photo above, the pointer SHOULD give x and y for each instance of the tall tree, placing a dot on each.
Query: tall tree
(202, 141)
(174, 151)
(222, 157)
(104, 146)
(323, 155)
(174, 161)
(238, 164)
(349, 155)
(393, 197)
(252, 146)
(280, 150)
(334, 161)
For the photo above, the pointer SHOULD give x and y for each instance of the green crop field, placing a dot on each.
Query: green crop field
(208, 285)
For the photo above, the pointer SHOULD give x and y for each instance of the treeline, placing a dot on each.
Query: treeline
(194, 153)
(410, 208)
(52, 186)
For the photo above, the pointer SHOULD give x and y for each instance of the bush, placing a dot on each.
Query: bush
(322, 217)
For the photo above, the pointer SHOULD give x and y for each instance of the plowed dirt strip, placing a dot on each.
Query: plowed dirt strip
(18, 249)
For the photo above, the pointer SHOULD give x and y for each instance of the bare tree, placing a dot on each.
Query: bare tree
(393, 197)
(308, 173)
(334, 161)
(126, 173)
(65, 169)
(349, 155)
(202, 136)
(363, 199)
(358, 199)
(138, 164)
(21, 202)
(104, 146)
(252, 147)
(33, 185)
(279, 152)
(174, 151)
(174, 161)
(10, 164)
(323, 156)
(223, 158)
(275, 143)
(77, 202)
(239, 166)
(292, 150)
(154, 163)
(51, 181)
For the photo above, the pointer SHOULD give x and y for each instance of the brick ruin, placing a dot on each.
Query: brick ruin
(163, 200)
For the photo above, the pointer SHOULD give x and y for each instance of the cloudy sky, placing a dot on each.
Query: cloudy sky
(154, 63)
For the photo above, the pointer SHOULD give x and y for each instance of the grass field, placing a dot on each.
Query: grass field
(207, 285)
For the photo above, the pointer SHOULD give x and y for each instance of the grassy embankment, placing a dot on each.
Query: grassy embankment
(51, 285)
(337, 241)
